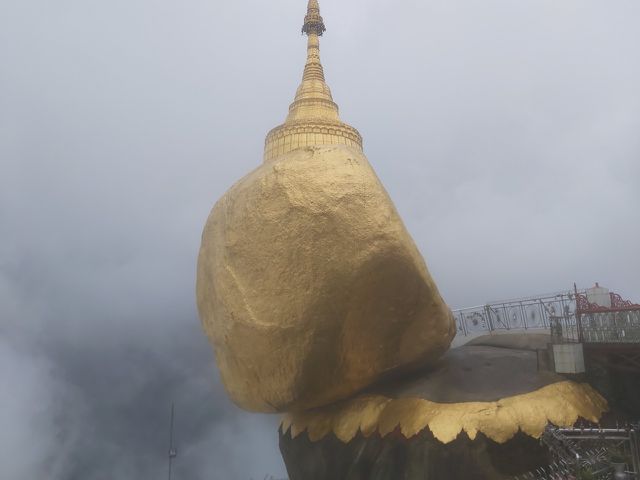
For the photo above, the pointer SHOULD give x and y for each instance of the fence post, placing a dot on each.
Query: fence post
(487, 312)
(578, 315)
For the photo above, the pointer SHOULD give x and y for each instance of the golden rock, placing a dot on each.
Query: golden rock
(309, 285)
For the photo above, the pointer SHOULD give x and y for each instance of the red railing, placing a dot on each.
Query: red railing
(619, 323)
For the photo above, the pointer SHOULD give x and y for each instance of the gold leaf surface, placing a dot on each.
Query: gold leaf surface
(560, 404)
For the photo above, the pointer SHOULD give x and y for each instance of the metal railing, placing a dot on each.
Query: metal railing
(533, 313)
(611, 327)
(556, 313)
(588, 451)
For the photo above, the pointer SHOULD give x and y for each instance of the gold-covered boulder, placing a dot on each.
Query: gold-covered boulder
(309, 285)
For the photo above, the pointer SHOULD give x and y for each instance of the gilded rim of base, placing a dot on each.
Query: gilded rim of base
(561, 404)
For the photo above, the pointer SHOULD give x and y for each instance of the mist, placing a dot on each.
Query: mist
(505, 132)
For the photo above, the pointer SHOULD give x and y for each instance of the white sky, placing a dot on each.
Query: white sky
(507, 133)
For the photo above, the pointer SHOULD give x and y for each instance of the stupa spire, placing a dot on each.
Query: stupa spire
(313, 27)
(313, 98)
(313, 117)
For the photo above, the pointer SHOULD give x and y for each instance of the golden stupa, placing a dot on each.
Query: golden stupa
(313, 116)
(319, 304)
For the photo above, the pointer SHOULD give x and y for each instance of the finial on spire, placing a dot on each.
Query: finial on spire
(313, 23)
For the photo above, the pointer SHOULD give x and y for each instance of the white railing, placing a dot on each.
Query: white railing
(531, 313)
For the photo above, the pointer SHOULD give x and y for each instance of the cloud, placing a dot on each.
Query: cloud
(97, 406)
(28, 400)
(505, 132)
